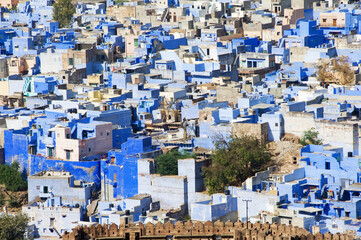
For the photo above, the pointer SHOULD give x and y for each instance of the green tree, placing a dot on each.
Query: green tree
(13, 227)
(63, 12)
(234, 161)
(11, 177)
(167, 164)
(310, 137)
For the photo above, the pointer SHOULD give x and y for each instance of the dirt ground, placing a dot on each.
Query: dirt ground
(21, 197)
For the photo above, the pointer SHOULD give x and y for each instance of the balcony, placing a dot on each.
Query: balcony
(45, 195)
(331, 24)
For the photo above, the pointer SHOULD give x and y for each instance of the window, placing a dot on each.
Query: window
(334, 22)
(324, 20)
(327, 165)
(67, 154)
(67, 135)
(50, 152)
(112, 160)
(276, 124)
(32, 150)
(136, 43)
(52, 222)
(45, 189)
(71, 61)
(89, 149)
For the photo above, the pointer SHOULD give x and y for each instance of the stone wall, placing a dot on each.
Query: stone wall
(258, 130)
(341, 134)
(199, 231)
(298, 122)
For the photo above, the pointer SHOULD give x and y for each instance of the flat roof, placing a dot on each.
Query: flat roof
(310, 209)
(354, 187)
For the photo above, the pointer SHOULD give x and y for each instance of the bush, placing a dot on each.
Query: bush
(2, 199)
(310, 137)
(13, 227)
(167, 164)
(11, 177)
(14, 203)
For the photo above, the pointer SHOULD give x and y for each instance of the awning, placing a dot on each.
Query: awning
(68, 149)
(88, 129)
(309, 184)
(337, 207)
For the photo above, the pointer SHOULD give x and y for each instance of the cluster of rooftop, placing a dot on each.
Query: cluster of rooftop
(88, 108)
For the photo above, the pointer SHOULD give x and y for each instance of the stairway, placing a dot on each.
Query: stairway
(164, 15)
(59, 235)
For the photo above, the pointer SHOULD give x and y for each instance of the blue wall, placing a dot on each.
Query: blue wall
(16, 148)
(122, 175)
(88, 171)
(120, 136)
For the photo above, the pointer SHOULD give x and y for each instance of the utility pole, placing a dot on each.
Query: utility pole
(247, 201)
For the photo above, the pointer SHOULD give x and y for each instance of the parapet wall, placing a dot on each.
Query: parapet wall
(199, 231)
